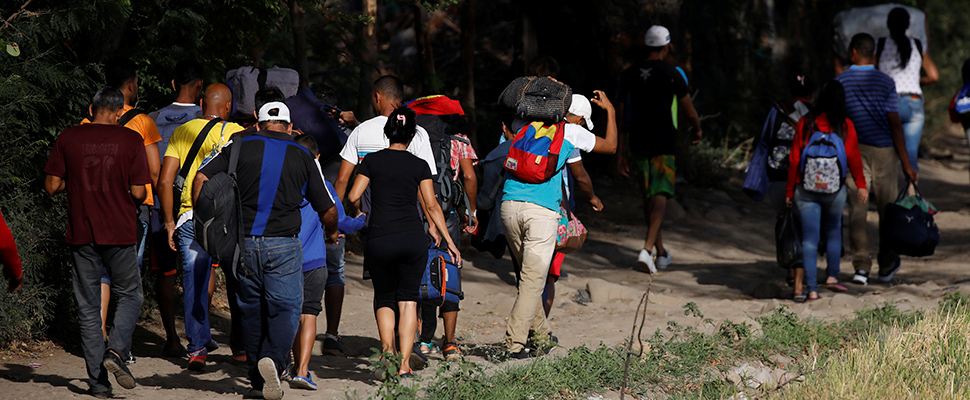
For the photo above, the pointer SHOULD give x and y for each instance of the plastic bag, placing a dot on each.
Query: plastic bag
(788, 240)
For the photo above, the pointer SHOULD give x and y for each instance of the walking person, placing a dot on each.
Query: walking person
(645, 93)
(12, 270)
(103, 168)
(397, 248)
(902, 58)
(871, 104)
(274, 176)
(816, 186)
(960, 105)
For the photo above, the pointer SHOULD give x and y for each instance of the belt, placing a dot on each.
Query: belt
(914, 96)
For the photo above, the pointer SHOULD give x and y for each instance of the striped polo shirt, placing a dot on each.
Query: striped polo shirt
(869, 95)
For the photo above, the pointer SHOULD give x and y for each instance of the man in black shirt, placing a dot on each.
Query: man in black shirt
(650, 92)
(274, 175)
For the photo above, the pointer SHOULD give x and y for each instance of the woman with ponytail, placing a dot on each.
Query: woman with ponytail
(902, 57)
(822, 212)
(397, 247)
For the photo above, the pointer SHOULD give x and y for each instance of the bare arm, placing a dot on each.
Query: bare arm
(432, 210)
(466, 165)
(899, 142)
(605, 145)
(343, 178)
(329, 221)
(585, 184)
(166, 196)
(695, 121)
(356, 192)
(932, 74)
(138, 192)
(154, 162)
(200, 180)
(54, 184)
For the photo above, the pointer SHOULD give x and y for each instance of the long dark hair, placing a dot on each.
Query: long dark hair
(831, 102)
(898, 22)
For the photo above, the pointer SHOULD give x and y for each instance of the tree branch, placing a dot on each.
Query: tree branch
(21, 10)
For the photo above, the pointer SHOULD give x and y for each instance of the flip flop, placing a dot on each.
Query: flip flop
(836, 287)
(809, 299)
(800, 298)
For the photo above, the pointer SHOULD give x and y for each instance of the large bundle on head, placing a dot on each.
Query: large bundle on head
(537, 98)
(872, 20)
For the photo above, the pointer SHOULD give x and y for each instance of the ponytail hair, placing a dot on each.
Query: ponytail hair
(400, 126)
(898, 23)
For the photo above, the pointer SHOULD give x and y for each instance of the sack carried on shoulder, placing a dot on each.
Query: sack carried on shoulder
(571, 234)
(537, 98)
(534, 154)
(909, 228)
(788, 240)
(218, 213)
(441, 280)
(246, 81)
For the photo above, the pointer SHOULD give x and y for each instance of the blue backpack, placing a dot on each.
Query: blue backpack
(823, 163)
(441, 280)
(962, 104)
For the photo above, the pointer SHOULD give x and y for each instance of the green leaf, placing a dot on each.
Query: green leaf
(13, 49)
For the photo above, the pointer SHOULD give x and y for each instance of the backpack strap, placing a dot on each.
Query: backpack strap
(234, 149)
(187, 163)
(130, 115)
(880, 45)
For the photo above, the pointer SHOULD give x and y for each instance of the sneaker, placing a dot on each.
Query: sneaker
(254, 394)
(885, 278)
(239, 356)
(211, 346)
(130, 360)
(197, 363)
(521, 354)
(645, 260)
(113, 363)
(100, 393)
(417, 361)
(428, 348)
(861, 278)
(451, 351)
(664, 261)
(272, 390)
(302, 382)
(333, 345)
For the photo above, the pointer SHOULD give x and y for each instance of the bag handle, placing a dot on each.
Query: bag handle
(183, 174)
(902, 193)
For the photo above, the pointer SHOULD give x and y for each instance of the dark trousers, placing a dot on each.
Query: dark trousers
(270, 296)
(121, 263)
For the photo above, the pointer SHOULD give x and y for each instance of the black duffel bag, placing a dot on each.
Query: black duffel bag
(788, 240)
(908, 227)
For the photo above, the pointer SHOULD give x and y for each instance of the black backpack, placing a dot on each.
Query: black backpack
(218, 213)
(449, 191)
(537, 99)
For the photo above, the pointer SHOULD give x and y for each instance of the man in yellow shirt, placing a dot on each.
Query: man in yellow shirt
(196, 263)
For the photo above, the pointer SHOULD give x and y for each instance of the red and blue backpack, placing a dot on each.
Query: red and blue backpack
(534, 154)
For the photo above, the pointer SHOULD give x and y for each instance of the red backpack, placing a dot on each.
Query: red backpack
(534, 154)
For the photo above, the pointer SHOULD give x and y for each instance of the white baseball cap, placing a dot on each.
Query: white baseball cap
(657, 36)
(582, 108)
(282, 115)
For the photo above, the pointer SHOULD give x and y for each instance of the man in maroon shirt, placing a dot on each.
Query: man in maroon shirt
(103, 169)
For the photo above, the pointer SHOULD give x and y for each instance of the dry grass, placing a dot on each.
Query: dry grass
(926, 360)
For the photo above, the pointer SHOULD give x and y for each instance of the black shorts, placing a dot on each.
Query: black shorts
(314, 283)
(397, 262)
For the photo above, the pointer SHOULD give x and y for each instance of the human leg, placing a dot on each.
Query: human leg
(235, 315)
(858, 213)
(531, 232)
(429, 324)
(885, 189)
(282, 262)
(105, 301)
(313, 287)
(810, 212)
(121, 262)
(407, 324)
(196, 268)
(250, 299)
(333, 298)
(831, 224)
(912, 117)
(86, 280)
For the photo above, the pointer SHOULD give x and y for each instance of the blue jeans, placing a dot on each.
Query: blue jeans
(912, 117)
(270, 297)
(817, 212)
(196, 268)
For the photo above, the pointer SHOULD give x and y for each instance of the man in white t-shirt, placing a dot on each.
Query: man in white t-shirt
(369, 137)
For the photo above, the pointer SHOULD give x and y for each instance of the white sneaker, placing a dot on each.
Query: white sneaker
(646, 261)
(664, 261)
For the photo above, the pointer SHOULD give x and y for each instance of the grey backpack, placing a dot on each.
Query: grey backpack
(537, 98)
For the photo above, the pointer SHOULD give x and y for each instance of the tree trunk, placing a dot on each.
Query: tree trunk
(425, 52)
(466, 88)
(299, 42)
(368, 59)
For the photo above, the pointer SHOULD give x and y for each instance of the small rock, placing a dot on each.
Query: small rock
(733, 377)
(762, 377)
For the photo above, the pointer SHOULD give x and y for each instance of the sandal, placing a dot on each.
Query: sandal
(836, 287)
(811, 299)
(800, 298)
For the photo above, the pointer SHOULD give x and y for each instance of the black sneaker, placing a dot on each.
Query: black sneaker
(888, 276)
(211, 346)
(521, 354)
(100, 393)
(417, 361)
(113, 363)
(333, 346)
(861, 278)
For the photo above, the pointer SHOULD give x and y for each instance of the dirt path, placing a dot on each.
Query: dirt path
(723, 261)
